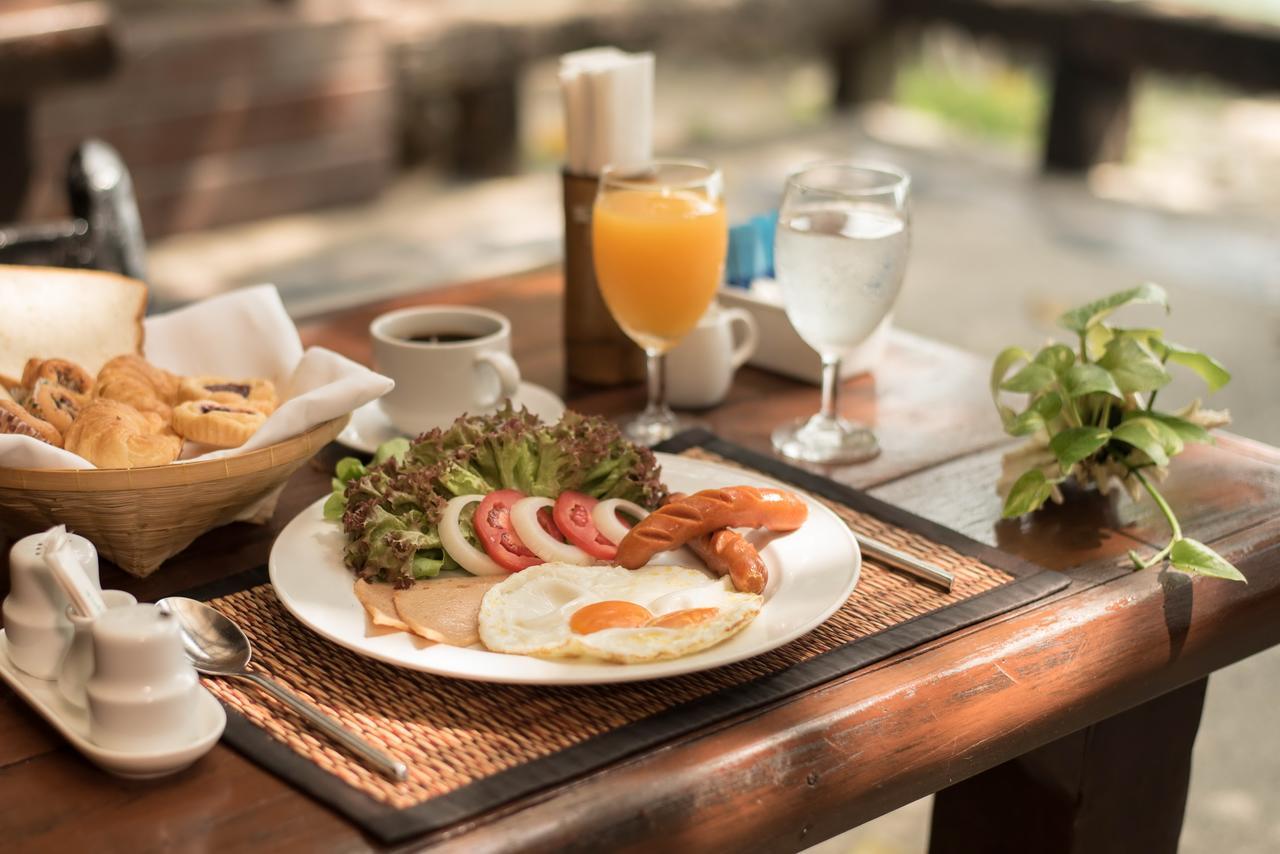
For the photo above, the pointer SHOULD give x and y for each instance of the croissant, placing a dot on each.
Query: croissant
(114, 435)
(133, 380)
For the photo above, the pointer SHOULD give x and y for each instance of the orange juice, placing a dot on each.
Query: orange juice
(659, 257)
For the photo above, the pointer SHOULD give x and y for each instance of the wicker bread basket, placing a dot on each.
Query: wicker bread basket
(139, 518)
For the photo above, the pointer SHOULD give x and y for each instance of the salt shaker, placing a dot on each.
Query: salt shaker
(144, 693)
(35, 620)
(77, 667)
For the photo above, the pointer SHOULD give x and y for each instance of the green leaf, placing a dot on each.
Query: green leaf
(1075, 443)
(1028, 493)
(1169, 438)
(1042, 410)
(1133, 366)
(1056, 357)
(1085, 379)
(1096, 340)
(1031, 379)
(397, 448)
(1143, 434)
(334, 506)
(349, 468)
(1196, 558)
(1007, 358)
(427, 563)
(1210, 369)
(1185, 430)
(1080, 319)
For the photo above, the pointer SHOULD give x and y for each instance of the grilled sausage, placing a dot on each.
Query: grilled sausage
(677, 522)
(726, 552)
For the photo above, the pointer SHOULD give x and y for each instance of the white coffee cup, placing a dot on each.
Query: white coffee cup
(700, 368)
(436, 381)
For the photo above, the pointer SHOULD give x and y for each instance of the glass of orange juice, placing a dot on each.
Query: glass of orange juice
(659, 238)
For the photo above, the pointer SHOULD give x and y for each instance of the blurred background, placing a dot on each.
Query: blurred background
(349, 149)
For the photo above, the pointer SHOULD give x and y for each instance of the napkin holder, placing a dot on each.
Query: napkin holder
(597, 351)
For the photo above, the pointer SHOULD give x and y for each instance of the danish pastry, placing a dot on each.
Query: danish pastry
(54, 403)
(60, 372)
(218, 424)
(253, 393)
(15, 419)
(114, 435)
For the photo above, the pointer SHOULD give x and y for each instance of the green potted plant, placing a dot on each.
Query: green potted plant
(1089, 416)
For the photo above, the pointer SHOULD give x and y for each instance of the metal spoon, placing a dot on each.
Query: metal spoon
(217, 647)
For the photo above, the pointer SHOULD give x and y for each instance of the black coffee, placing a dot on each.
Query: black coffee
(442, 337)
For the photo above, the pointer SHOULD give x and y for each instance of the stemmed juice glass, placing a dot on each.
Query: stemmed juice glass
(659, 238)
(842, 243)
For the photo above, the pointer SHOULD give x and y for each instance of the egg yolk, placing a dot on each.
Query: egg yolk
(611, 614)
(680, 619)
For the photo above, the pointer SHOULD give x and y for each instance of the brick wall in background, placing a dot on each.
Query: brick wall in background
(229, 112)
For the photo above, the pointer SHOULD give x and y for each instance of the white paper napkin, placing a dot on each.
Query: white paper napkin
(245, 333)
(608, 107)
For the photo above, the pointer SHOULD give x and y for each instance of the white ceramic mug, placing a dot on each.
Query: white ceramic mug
(700, 368)
(143, 696)
(438, 381)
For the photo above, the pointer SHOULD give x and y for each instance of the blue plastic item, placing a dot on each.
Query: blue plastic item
(751, 251)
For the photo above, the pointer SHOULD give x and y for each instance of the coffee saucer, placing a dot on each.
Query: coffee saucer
(369, 426)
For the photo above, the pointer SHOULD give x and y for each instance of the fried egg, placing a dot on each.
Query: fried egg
(558, 610)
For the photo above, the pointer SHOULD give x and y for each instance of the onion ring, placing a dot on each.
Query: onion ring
(524, 518)
(605, 517)
(472, 559)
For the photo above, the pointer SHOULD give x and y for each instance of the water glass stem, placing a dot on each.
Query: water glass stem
(830, 387)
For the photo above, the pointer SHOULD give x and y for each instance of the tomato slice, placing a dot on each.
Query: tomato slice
(573, 517)
(493, 526)
(547, 522)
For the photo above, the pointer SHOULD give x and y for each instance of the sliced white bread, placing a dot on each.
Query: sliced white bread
(84, 316)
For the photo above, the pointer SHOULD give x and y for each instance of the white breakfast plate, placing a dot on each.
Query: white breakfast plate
(812, 571)
(369, 426)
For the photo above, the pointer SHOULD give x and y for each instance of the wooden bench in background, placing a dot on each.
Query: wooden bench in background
(230, 110)
(226, 112)
(1095, 49)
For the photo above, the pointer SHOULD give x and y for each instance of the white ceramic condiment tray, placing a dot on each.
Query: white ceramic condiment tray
(73, 723)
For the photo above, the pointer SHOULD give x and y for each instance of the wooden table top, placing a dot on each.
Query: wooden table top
(811, 766)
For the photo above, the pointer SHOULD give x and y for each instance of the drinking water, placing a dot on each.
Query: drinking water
(840, 265)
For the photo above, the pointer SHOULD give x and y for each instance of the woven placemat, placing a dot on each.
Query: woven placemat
(473, 746)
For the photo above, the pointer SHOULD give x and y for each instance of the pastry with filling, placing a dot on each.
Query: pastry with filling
(54, 403)
(15, 419)
(59, 372)
(114, 435)
(256, 394)
(218, 424)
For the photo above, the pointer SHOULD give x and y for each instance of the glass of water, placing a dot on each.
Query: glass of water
(844, 231)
